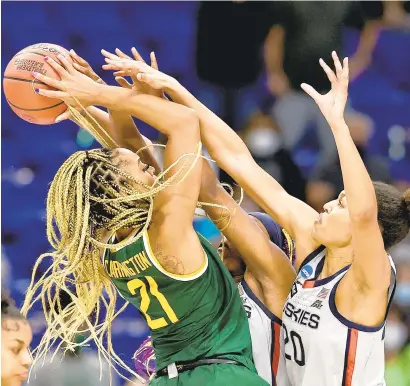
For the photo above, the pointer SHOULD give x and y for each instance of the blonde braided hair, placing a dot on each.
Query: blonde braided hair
(88, 196)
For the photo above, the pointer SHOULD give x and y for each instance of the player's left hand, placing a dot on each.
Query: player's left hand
(332, 104)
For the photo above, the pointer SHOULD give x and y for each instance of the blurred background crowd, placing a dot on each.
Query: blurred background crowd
(245, 60)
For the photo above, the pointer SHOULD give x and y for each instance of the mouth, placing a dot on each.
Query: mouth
(24, 376)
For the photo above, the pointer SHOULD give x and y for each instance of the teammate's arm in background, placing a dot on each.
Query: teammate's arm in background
(232, 155)
(265, 260)
(174, 205)
(370, 271)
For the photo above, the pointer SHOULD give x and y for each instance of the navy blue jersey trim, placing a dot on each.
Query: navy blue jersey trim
(265, 309)
(311, 256)
(346, 322)
(392, 277)
(272, 353)
(272, 227)
(328, 279)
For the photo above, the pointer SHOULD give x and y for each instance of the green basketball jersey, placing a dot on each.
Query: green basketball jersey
(190, 317)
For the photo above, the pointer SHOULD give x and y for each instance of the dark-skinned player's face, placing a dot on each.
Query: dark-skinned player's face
(131, 164)
(232, 259)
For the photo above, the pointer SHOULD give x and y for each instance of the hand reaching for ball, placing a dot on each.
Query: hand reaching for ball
(130, 68)
(73, 88)
(81, 65)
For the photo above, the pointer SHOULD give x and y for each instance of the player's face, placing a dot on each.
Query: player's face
(15, 356)
(131, 164)
(232, 259)
(332, 228)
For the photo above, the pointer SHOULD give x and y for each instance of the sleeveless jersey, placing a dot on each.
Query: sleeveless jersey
(265, 333)
(322, 348)
(190, 317)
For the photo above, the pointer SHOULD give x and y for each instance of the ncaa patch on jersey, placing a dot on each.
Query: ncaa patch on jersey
(306, 271)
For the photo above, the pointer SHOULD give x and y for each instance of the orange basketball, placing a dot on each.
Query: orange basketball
(19, 84)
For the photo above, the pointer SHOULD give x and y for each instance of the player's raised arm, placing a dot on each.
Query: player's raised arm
(265, 260)
(232, 155)
(114, 129)
(176, 204)
(371, 267)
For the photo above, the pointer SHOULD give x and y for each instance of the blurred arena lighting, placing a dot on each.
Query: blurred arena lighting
(23, 176)
(397, 138)
(84, 139)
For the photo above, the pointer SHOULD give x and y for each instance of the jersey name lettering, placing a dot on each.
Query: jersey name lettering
(128, 268)
(302, 317)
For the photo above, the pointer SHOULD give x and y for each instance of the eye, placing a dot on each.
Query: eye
(15, 350)
(145, 168)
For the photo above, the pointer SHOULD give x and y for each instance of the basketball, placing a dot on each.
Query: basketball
(19, 84)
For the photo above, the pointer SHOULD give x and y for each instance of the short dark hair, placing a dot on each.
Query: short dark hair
(393, 213)
(9, 310)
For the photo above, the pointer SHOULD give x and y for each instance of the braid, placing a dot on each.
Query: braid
(88, 196)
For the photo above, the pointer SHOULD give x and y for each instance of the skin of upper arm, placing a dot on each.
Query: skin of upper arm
(290, 213)
(362, 294)
(265, 261)
(371, 266)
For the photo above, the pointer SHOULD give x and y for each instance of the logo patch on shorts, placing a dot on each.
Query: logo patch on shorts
(306, 271)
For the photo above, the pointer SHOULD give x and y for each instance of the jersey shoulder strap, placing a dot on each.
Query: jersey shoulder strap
(312, 264)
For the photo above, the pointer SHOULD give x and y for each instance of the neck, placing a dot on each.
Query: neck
(336, 259)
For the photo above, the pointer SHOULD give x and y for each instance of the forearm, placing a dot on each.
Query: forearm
(222, 143)
(273, 50)
(357, 183)
(165, 116)
(368, 39)
(120, 130)
(128, 136)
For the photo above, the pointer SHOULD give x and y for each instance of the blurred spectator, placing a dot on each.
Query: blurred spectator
(327, 182)
(80, 367)
(396, 14)
(397, 349)
(5, 272)
(312, 30)
(230, 36)
(402, 295)
(262, 135)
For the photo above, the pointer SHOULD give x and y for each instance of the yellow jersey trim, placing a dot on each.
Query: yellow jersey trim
(191, 276)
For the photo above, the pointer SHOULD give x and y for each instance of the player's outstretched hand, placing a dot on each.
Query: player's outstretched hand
(72, 88)
(84, 67)
(332, 104)
(139, 71)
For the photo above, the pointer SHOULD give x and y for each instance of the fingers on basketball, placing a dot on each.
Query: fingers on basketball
(20, 86)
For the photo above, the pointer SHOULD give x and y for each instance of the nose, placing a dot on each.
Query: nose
(327, 207)
(27, 359)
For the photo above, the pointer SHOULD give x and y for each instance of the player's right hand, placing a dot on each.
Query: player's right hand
(73, 88)
(136, 84)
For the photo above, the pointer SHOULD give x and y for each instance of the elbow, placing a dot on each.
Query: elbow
(188, 120)
(366, 214)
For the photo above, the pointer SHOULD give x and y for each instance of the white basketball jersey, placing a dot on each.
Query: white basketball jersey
(265, 332)
(322, 348)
